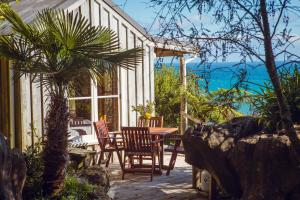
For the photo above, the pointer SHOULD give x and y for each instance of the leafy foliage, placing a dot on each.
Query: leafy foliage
(75, 190)
(61, 47)
(56, 50)
(167, 95)
(217, 106)
(33, 184)
(265, 103)
(144, 111)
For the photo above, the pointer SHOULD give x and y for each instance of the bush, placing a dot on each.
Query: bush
(33, 184)
(73, 190)
(265, 104)
(216, 106)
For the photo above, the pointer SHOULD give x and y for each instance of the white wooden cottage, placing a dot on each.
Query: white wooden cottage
(23, 105)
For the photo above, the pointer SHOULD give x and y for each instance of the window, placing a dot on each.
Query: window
(107, 99)
(89, 102)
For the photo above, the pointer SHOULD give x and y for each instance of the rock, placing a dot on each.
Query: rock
(244, 162)
(240, 127)
(12, 172)
(98, 177)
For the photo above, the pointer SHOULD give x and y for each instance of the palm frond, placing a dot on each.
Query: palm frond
(61, 46)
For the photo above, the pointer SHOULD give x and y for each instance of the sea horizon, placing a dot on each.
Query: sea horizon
(223, 76)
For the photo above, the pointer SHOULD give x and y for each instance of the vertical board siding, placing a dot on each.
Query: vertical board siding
(139, 77)
(85, 9)
(26, 111)
(12, 106)
(114, 25)
(151, 65)
(5, 125)
(146, 75)
(105, 18)
(36, 109)
(131, 83)
(96, 8)
(124, 80)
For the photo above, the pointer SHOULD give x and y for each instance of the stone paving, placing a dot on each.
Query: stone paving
(178, 185)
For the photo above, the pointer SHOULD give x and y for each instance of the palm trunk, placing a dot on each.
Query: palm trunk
(272, 71)
(55, 154)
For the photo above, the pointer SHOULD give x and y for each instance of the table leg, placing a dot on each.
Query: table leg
(162, 151)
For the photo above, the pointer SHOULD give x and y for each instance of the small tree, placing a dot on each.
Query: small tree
(211, 107)
(56, 50)
(256, 29)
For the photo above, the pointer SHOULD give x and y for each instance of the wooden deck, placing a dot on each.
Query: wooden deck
(176, 186)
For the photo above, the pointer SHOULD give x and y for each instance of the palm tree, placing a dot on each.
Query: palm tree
(56, 50)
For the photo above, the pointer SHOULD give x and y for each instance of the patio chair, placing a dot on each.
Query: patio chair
(153, 122)
(175, 149)
(138, 142)
(108, 144)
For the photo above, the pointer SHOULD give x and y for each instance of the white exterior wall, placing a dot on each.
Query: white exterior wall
(135, 86)
(131, 83)
(26, 111)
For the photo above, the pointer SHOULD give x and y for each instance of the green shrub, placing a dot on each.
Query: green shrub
(216, 106)
(265, 104)
(75, 190)
(33, 183)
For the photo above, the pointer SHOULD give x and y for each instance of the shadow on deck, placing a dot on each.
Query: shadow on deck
(178, 185)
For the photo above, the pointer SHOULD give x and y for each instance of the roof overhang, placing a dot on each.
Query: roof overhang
(165, 48)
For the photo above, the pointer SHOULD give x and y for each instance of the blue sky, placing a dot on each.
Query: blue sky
(141, 11)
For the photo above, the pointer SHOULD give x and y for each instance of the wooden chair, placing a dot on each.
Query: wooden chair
(138, 142)
(107, 143)
(153, 122)
(174, 149)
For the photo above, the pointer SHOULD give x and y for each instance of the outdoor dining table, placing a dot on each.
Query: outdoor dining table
(162, 133)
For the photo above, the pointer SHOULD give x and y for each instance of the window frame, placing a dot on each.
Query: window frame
(91, 139)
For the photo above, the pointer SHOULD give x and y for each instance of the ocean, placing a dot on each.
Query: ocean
(224, 75)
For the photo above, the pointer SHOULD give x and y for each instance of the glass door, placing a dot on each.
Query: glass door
(107, 99)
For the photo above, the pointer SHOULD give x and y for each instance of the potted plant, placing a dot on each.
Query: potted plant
(144, 111)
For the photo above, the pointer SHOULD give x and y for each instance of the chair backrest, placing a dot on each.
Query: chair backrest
(152, 122)
(102, 133)
(137, 139)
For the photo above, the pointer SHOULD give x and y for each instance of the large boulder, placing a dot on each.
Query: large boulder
(99, 178)
(245, 162)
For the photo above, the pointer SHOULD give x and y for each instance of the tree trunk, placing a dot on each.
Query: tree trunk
(12, 172)
(55, 154)
(272, 71)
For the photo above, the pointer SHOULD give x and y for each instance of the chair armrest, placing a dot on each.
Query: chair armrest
(157, 141)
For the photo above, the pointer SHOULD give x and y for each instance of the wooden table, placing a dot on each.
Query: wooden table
(162, 132)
